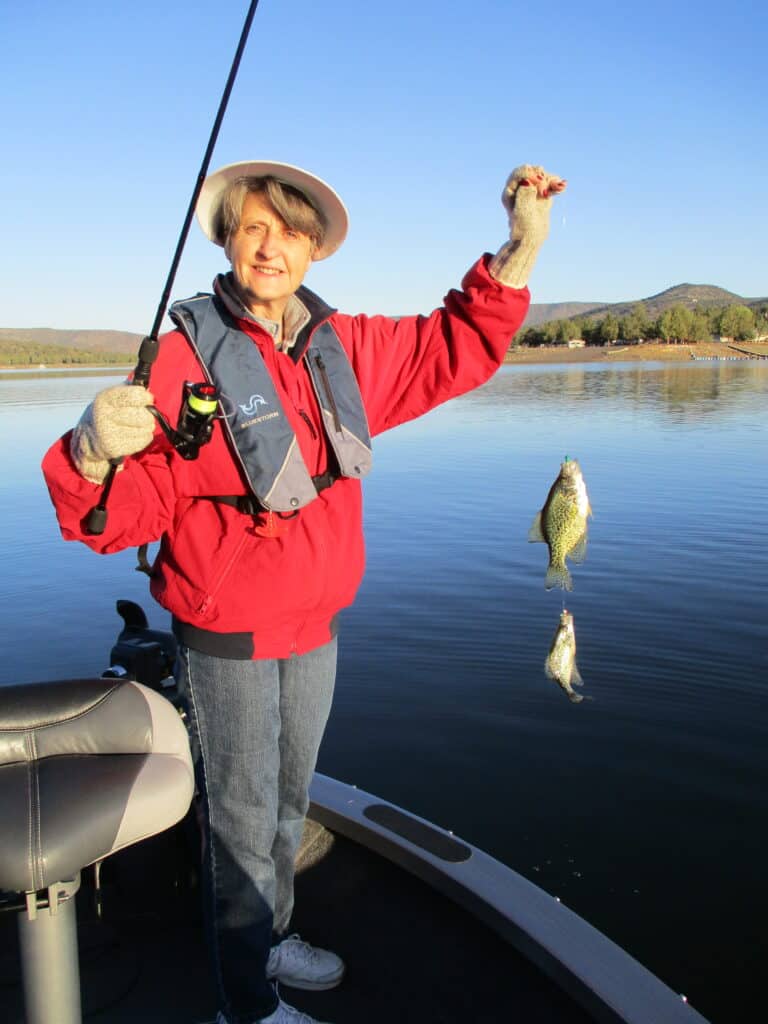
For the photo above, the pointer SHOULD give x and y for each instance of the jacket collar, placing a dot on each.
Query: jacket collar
(305, 310)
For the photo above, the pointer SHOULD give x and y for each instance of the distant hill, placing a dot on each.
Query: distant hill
(689, 295)
(692, 296)
(104, 341)
(540, 312)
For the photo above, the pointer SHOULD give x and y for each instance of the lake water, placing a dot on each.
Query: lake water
(644, 808)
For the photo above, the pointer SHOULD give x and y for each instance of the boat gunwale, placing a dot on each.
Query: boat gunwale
(599, 975)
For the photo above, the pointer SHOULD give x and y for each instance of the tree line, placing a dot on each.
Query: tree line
(676, 324)
(29, 353)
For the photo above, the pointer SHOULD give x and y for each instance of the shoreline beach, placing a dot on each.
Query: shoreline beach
(650, 352)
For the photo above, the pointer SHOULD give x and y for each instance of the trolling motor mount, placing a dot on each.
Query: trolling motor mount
(142, 654)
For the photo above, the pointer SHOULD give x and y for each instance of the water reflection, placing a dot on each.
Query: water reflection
(684, 392)
(661, 786)
(681, 391)
(55, 390)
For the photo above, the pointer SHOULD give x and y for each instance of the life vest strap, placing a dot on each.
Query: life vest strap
(250, 505)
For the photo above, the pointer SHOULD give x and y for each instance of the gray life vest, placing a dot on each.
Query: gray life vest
(260, 433)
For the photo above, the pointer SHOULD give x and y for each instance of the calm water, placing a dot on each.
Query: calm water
(644, 808)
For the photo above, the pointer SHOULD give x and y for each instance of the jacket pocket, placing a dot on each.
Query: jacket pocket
(198, 558)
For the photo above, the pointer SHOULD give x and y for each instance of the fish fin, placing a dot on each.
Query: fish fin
(574, 698)
(536, 533)
(579, 552)
(576, 679)
(558, 576)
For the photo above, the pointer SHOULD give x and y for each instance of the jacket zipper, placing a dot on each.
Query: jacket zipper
(329, 393)
(305, 416)
(205, 603)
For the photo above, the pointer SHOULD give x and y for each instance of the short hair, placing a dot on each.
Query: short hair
(289, 203)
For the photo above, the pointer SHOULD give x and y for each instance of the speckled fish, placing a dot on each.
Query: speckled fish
(562, 524)
(561, 660)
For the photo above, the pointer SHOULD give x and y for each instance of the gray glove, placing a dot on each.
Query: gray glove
(527, 200)
(116, 423)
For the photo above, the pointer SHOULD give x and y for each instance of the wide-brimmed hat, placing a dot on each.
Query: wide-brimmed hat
(318, 192)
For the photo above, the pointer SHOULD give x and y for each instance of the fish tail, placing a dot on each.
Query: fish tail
(574, 698)
(558, 576)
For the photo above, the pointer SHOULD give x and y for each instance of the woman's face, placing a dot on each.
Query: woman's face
(269, 259)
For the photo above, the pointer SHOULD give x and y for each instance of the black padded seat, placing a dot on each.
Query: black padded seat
(87, 767)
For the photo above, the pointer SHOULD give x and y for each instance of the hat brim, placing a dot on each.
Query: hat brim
(318, 192)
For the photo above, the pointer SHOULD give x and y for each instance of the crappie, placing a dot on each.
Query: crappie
(562, 524)
(561, 660)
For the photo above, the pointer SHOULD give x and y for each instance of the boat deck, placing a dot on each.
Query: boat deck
(411, 954)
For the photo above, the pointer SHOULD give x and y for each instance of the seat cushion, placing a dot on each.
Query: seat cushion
(85, 769)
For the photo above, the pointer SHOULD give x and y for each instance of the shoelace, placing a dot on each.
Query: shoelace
(305, 949)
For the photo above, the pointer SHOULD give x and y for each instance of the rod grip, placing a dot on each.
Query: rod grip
(147, 356)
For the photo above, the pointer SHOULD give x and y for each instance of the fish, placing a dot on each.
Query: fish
(561, 660)
(562, 524)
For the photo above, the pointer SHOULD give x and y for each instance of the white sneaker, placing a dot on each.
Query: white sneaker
(299, 965)
(284, 1014)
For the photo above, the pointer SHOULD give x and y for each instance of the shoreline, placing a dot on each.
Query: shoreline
(645, 353)
(48, 369)
(521, 355)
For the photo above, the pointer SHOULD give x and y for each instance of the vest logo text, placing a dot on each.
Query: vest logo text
(259, 419)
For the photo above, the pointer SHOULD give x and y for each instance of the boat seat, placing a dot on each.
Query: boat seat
(87, 767)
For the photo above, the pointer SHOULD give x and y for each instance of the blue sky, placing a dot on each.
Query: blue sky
(414, 111)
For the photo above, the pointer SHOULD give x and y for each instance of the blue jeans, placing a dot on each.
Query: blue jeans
(256, 729)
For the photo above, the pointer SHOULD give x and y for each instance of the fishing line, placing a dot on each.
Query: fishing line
(563, 205)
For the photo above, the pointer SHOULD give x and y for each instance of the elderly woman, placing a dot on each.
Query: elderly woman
(261, 542)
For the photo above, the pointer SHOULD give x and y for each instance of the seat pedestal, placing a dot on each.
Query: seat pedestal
(48, 947)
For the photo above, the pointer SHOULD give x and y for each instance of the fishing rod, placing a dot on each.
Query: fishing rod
(200, 399)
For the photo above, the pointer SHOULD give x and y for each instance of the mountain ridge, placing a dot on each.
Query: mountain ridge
(692, 296)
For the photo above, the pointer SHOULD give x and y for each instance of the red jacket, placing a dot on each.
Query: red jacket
(234, 588)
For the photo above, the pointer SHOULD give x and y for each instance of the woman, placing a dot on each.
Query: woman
(261, 535)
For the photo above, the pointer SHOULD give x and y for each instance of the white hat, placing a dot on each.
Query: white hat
(320, 195)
